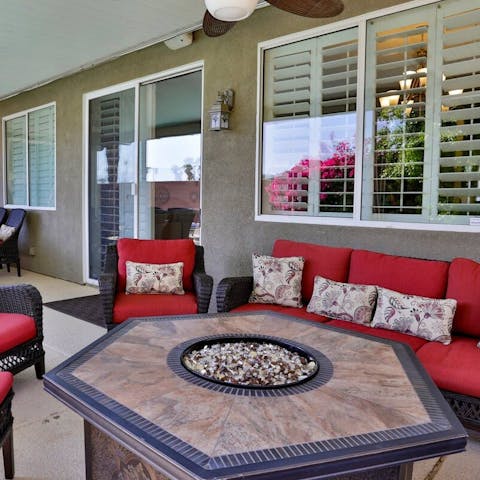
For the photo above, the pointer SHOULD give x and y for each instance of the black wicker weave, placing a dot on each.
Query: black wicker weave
(235, 291)
(6, 435)
(3, 215)
(9, 248)
(107, 282)
(25, 299)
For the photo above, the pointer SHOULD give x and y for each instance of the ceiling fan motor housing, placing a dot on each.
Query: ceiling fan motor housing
(231, 10)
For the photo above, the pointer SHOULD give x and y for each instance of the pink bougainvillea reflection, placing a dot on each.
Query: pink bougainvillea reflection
(289, 190)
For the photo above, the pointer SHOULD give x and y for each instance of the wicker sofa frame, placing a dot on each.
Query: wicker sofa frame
(24, 299)
(202, 283)
(233, 292)
(6, 435)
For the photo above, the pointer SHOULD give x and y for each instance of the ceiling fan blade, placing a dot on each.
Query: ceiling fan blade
(310, 8)
(214, 27)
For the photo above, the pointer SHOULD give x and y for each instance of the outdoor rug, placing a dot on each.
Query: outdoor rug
(87, 308)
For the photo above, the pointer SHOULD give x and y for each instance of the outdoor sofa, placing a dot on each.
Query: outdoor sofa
(454, 367)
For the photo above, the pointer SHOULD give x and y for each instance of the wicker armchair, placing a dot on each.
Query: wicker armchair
(233, 292)
(202, 285)
(9, 248)
(6, 423)
(21, 329)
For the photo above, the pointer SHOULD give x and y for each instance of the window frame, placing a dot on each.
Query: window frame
(355, 221)
(25, 113)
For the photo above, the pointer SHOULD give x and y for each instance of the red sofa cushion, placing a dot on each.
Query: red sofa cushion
(139, 305)
(6, 383)
(464, 286)
(15, 329)
(427, 278)
(414, 342)
(329, 262)
(294, 312)
(156, 251)
(453, 367)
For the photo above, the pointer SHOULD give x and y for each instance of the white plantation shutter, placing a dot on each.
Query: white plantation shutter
(396, 94)
(309, 96)
(30, 158)
(459, 172)
(41, 155)
(16, 153)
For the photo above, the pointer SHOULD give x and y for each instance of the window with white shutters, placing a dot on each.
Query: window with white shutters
(30, 158)
(309, 117)
(410, 99)
(459, 152)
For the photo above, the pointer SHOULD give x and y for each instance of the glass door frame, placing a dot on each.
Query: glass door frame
(135, 84)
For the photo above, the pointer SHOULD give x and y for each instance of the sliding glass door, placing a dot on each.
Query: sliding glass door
(144, 157)
(112, 173)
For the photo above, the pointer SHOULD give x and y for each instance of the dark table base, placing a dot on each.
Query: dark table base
(106, 459)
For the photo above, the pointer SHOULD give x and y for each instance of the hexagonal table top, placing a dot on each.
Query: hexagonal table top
(370, 404)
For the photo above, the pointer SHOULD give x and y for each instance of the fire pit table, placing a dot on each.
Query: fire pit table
(296, 400)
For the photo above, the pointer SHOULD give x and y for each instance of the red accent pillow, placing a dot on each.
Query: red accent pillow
(328, 262)
(6, 383)
(464, 286)
(15, 329)
(156, 251)
(412, 276)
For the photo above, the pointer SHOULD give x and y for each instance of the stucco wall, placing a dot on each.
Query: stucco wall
(230, 233)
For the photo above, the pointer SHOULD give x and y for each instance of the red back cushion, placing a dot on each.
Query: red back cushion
(156, 251)
(464, 286)
(412, 276)
(329, 262)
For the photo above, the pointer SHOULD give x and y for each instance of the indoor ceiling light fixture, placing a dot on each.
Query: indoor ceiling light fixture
(230, 10)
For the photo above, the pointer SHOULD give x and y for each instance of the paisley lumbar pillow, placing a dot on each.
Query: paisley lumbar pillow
(154, 278)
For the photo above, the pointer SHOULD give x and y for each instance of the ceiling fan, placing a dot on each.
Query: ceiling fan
(222, 15)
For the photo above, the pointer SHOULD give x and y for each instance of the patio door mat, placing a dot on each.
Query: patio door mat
(87, 308)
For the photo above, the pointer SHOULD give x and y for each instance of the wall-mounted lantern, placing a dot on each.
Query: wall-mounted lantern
(220, 111)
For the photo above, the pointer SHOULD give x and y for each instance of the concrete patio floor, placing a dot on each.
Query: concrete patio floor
(48, 437)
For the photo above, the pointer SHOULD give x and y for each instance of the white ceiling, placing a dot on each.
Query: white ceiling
(41, 40)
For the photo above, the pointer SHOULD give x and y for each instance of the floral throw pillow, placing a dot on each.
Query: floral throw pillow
(153, 278)
(343, 301)
(277, 280)
(429, 318)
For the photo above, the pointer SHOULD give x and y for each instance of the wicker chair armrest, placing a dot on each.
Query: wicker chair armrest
(233, 292)
(24, 299)
(203, 286)
(107, 285)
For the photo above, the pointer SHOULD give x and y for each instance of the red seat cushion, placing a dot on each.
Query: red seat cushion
(427, 278)
(453, 367)
(294, 312)
(414, 342)
(15, 329)
(6, 383)
(464, 286)
(329, 262)
(139, 305)
(158, 252)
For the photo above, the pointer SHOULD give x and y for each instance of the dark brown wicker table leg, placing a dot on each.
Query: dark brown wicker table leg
(8, 457)
(40, 368)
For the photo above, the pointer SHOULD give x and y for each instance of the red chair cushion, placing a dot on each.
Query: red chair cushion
(15, 329)
(453, 367)
(138, 305)
(464, 286)
(294, 312)
(329, 262)
(156, 251)
(6, 383)
(427, 278)
(414, 342)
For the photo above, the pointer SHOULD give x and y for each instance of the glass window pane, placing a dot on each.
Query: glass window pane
(41, 157)
(16, 151)
(309, 114)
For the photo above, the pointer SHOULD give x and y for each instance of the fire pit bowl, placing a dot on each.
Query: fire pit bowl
(253, 362)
